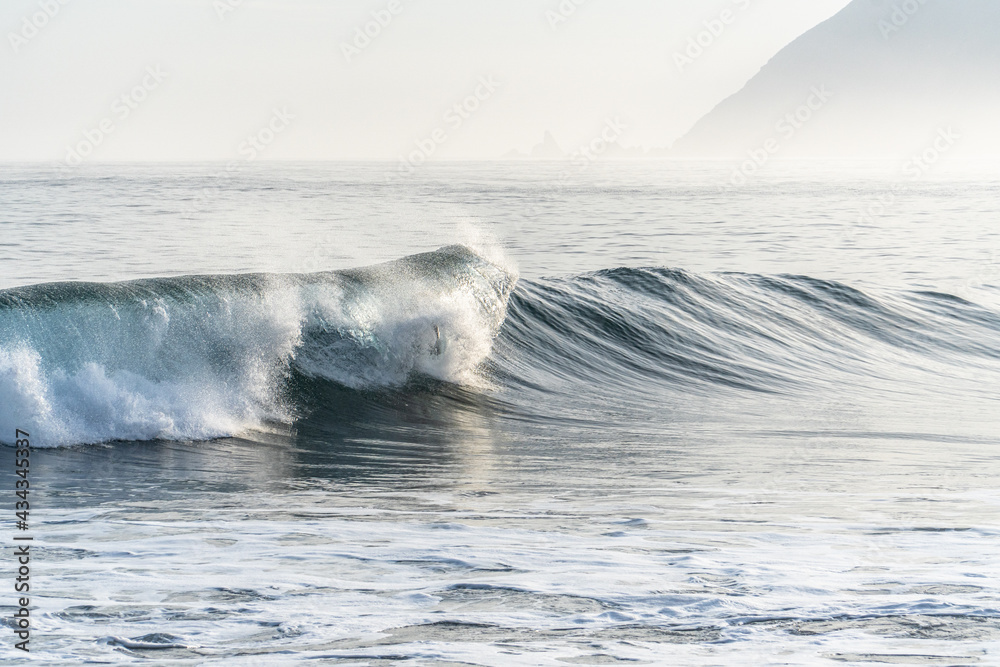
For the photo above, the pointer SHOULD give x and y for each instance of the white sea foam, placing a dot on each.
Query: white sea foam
(203, 359)
(184, 373)
(383, 342)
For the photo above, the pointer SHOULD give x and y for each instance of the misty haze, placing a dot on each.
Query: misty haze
(535, 332)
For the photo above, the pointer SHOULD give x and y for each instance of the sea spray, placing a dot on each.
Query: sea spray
(200, 357)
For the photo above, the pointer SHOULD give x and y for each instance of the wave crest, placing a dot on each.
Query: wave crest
(199, 357)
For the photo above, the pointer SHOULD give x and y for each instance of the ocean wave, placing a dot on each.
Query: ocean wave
(200, 357)
(650, 329)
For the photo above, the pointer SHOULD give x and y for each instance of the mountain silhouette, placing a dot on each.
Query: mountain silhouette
(881, 79)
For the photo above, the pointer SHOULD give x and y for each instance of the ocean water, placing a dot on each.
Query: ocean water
(505, 413)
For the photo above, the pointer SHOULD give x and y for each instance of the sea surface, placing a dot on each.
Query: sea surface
(503, 413)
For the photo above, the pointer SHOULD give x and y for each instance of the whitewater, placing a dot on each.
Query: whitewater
(472, 418)
(201, 357)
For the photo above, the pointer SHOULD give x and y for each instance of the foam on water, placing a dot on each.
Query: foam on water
(208, 356)
(793, 464)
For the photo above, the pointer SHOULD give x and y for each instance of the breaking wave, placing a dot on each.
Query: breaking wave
(200, 357)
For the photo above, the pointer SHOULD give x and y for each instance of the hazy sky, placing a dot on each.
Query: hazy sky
(194, 79)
